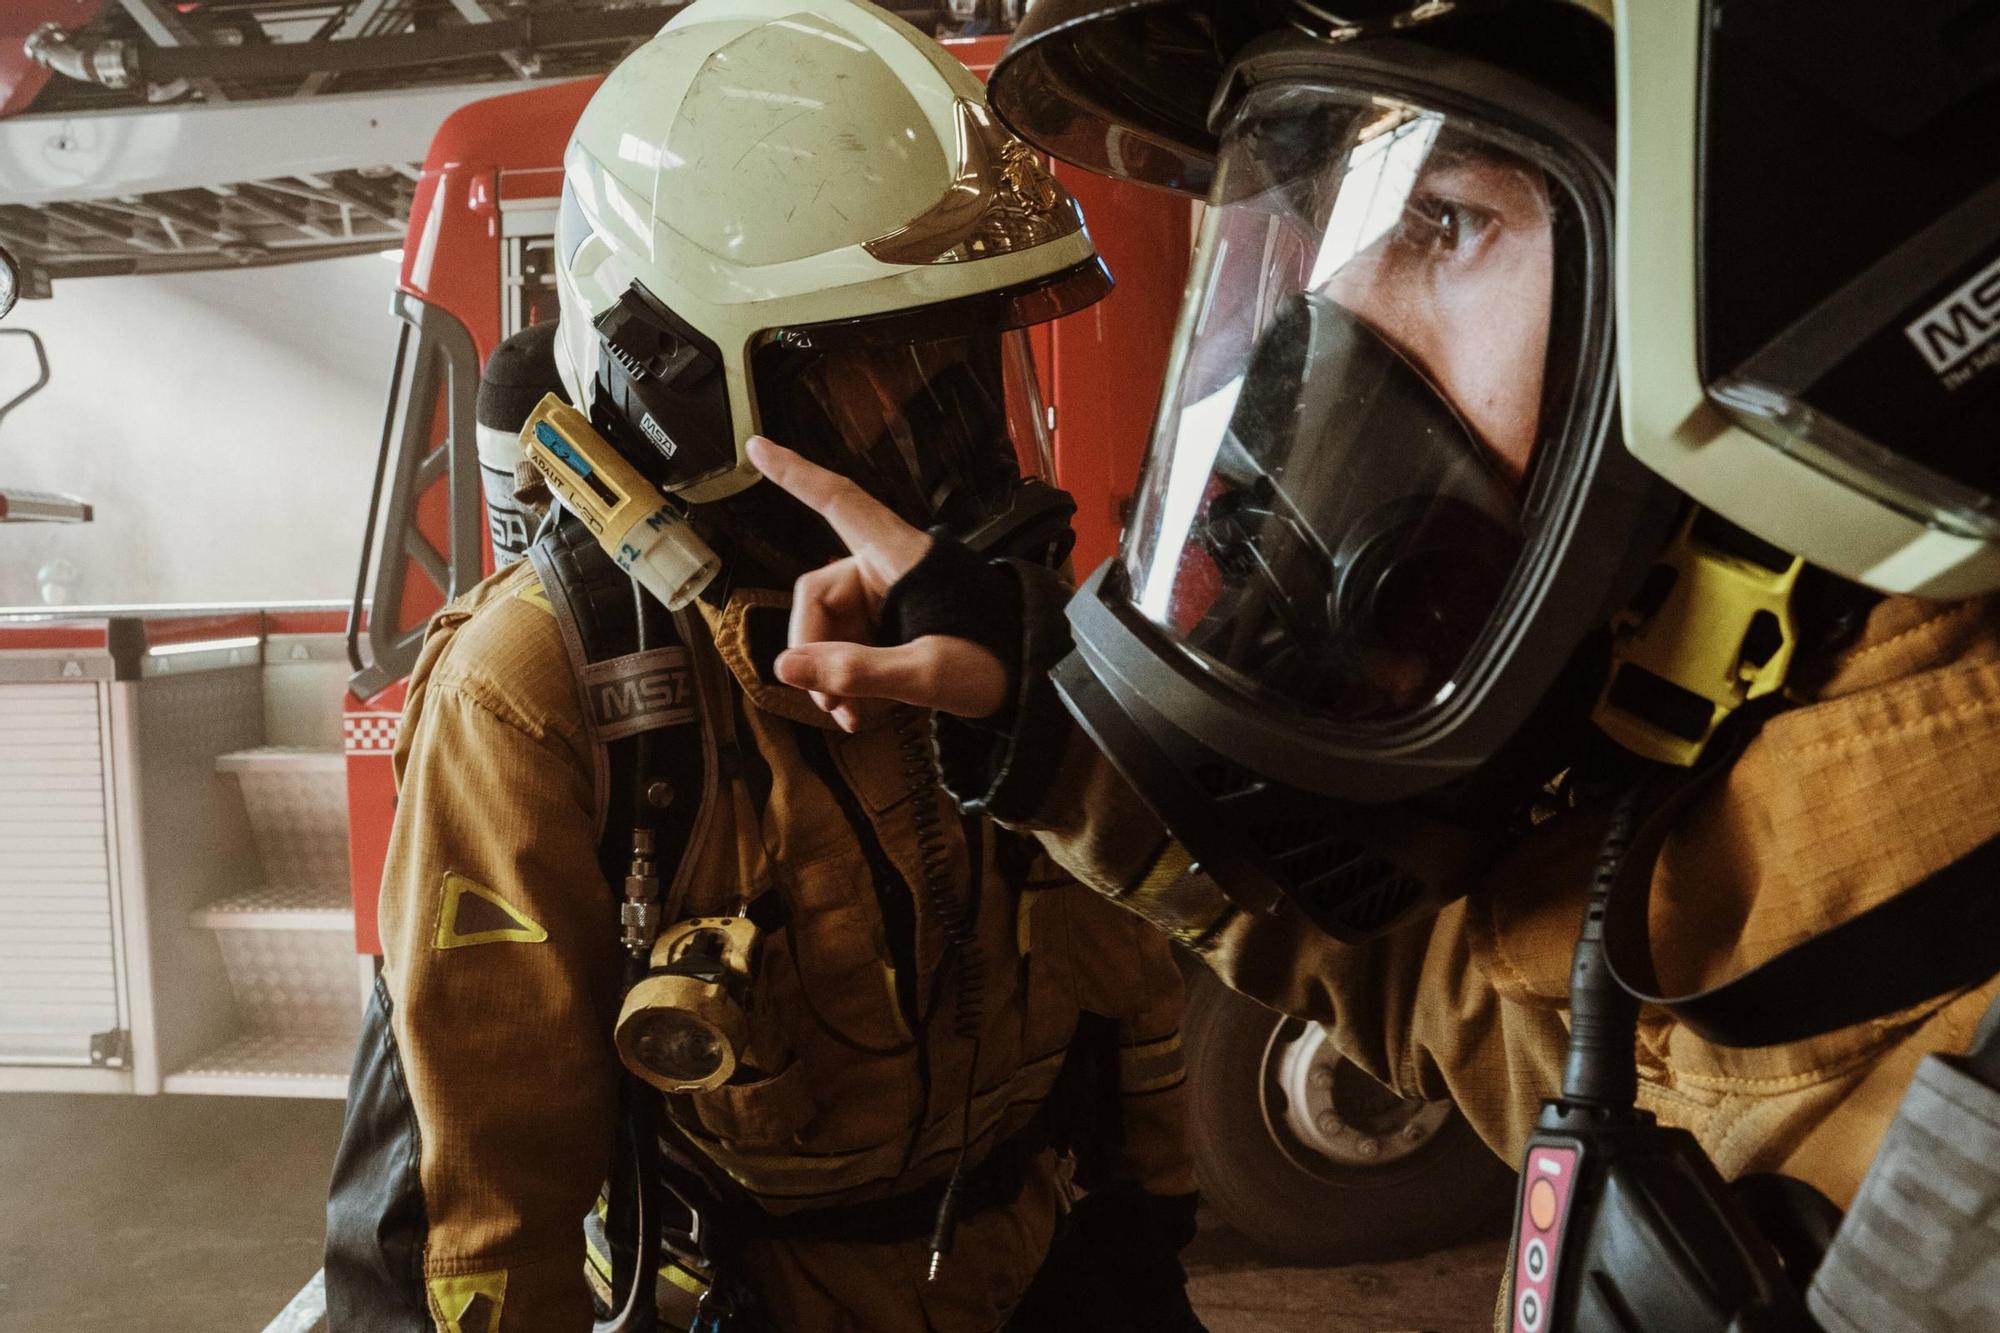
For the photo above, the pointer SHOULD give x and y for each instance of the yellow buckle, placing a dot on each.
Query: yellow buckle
(1710, 630)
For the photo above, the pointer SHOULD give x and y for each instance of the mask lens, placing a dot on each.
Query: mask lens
(1334, 505)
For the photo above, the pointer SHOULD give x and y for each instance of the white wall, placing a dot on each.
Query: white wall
(224, 425)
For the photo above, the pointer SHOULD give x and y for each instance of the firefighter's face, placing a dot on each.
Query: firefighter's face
(1461, 285)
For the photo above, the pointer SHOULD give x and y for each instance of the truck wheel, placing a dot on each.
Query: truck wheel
(1309, 1157)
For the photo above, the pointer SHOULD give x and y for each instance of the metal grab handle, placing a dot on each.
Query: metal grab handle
(41, 362)
(375, 503)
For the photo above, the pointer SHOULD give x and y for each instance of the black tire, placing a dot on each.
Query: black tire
(1443, 1191)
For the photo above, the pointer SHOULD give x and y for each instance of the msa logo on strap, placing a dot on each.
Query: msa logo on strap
(1960, 335)
(640, 691)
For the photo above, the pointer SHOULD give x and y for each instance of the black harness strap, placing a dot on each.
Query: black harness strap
(628, 697)
(1937, 936)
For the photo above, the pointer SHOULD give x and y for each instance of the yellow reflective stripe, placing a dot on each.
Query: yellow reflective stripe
(1172, 862)
(690, 1283)
(1159, 1083)
(1151, 1066)
(1140, 1050)
(534, 594)
(1187, 906)
(468, 1303)
(470, 913)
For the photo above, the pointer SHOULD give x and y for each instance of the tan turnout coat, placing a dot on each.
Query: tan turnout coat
(1887, 772)
(501, 958)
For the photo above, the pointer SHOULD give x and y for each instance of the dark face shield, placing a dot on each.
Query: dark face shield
(942, 430)
(1386, 506)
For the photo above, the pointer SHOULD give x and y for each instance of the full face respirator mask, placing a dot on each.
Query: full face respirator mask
(1338, 649)
(1399, 558)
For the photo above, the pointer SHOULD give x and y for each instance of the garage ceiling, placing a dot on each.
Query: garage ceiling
(142, 136)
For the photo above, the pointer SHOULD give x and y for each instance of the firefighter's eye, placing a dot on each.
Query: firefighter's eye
(1443, 228)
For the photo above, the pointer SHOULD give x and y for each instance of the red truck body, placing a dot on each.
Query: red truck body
(22, 78)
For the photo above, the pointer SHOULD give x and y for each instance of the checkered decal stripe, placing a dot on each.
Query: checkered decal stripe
(369, 733)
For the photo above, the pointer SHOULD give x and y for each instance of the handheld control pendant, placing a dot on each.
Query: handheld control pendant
(647, 537)
(1621, 1223)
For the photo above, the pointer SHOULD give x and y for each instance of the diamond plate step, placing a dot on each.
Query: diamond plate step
(292, 759)
(269, 1064)
(297, 800)
(279, 907)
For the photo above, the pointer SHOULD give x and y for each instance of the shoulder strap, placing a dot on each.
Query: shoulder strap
(1939, 935)
(624, 693)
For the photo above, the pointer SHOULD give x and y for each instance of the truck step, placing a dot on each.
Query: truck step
(287, 759)
(292, 981)
(279, 907)
(297, 801)
(270, 1064)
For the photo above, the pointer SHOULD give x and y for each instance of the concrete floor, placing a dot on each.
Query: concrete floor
(203, 1215)
(158, 1213)
(1238, 1289)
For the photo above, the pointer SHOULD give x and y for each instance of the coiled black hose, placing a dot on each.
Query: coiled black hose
(1600, 1070)
(954, 912)
(934, 854)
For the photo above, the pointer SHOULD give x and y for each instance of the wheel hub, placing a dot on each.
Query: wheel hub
(1319, 1102)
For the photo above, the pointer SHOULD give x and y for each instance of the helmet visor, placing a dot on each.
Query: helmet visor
(1366, 392)
(941, 429)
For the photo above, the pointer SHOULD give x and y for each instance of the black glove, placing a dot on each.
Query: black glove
(954, 591)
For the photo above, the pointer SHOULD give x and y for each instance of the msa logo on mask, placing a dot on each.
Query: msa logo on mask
(1960, 335)
(657, 434)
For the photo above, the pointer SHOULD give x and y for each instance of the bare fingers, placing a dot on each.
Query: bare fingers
(886, 547)
(937, 671)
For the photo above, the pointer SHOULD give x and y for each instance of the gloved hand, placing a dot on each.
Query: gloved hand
(834, 653)
(1115, 1268)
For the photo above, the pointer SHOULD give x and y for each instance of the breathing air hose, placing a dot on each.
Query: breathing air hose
(1608, 1196)
(639, 1105)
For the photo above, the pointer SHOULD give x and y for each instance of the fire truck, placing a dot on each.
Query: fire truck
(224, 778)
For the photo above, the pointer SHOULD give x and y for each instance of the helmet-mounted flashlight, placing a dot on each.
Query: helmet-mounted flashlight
(637, 526)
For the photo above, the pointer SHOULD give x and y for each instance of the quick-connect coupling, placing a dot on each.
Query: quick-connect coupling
(639, 913)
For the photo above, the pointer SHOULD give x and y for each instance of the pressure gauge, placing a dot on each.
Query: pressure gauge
(10, 282)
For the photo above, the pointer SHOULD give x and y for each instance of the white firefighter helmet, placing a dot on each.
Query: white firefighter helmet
(797, 218)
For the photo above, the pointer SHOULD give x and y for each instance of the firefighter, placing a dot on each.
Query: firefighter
(868, 1024)
(1404, 601)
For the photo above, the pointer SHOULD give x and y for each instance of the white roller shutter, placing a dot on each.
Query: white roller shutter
(58, 936)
